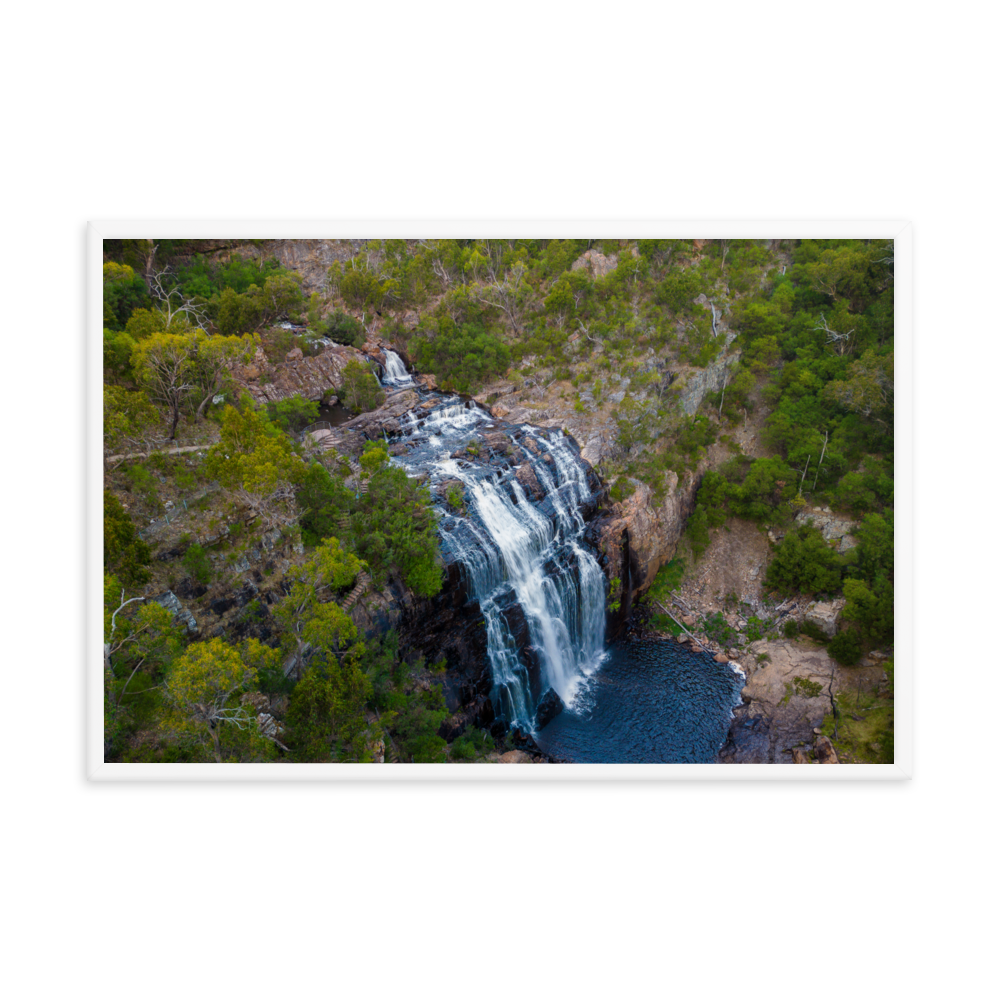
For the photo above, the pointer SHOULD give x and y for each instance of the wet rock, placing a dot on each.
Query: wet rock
(721, 658)
(548, 708)
(527, 478)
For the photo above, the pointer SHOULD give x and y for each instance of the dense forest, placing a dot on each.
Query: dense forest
(211, 493)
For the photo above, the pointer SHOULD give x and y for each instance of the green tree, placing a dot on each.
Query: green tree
(130, 421)
(164, 365)
(804, 563)
(393, 527)
(416, 727)
(125, 554)
(868, 389)
(256, 467)
(239, 313)
(360, 389)
(307, 620)
(870, 608)
(201, 684)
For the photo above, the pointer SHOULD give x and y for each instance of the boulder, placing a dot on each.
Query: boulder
(799, 756)
(527, 478)
(825, 751)
(825, 615)
(721, 658)
(516, 757)
(168, 599)
(548, 708)
(295, 354)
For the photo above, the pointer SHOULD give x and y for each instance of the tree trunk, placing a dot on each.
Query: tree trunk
(201, 406)
(215, 740)
(177, 419)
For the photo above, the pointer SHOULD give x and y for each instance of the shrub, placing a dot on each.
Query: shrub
(471, 744)
(198, 564)
(463, 357)
(790, 629)
(845, 648)
(360, 390)
(804, 563)
(814, 632)
(125, 554)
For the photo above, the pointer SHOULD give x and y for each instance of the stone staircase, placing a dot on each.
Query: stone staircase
(359, 588)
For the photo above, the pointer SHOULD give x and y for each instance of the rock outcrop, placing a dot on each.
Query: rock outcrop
(169, 600)
(833, 528)
(640, 534)
(825, 616)
(312, 377)
(786, 696)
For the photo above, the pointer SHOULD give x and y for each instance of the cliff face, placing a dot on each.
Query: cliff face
(313, 377)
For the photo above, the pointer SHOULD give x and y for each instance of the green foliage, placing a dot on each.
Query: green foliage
(719, 630)
(845, 648)
(870, 607)
(415, 729)
(621, 489)
(293, 413)
(393, 528)
(360, 389)
(807, 688)
(790, 629)
(678, 290)
(326, 713)
(814, 632)
(462, 356)
(323, 500)
(236, 313)
(125, 554)
(875, 550)
(124, 292)
(198, 563)
(804, 563)
(343, 329)
(118, 347)
(471, 745)
(256, 466)
(130, 420)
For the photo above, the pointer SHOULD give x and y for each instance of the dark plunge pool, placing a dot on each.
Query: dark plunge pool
(651, 702)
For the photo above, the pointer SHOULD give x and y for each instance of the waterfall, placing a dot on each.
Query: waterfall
(540, 589)
(395, 371)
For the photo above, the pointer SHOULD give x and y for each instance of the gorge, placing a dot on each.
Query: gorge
(517, 507)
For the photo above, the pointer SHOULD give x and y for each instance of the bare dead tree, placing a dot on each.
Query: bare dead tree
(173, 302)
(501, 291)
(826, 437)
(841, 342)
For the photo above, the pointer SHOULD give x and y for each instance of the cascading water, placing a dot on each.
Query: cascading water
(512, 501)
(396, 374)
(540, 590)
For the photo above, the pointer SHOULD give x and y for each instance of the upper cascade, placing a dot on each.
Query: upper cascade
(395, 371)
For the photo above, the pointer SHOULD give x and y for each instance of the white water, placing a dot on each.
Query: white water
(512, 551)
(395, 371)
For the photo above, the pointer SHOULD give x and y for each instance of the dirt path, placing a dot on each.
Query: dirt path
(158, 451)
